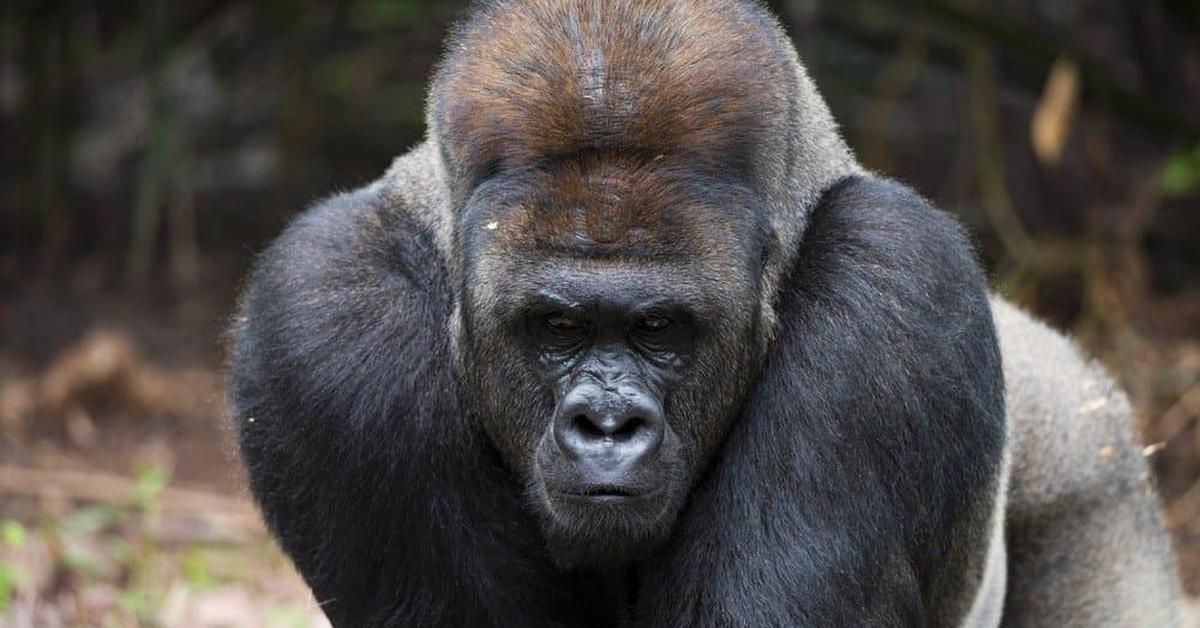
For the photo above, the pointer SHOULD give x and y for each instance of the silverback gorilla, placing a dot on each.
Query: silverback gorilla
(632, 340)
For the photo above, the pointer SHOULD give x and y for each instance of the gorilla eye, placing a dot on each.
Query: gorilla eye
(654, 323)
(562, 322)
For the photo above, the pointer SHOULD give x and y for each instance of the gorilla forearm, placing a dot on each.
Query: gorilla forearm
(855, 489)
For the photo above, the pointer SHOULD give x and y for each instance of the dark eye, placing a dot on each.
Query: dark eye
(562, 322)
(654, 323)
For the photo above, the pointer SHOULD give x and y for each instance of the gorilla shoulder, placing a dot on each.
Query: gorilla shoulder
(335, 281)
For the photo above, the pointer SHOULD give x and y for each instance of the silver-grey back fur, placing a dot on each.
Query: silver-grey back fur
(1086, 543)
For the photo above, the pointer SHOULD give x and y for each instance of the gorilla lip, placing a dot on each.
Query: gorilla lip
(608, 492)
(622, 499)
(601, 498)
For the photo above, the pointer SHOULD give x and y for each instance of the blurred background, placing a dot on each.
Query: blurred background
(148, 150)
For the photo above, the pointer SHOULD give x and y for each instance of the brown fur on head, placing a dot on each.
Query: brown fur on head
(607, 206)
(693, 80)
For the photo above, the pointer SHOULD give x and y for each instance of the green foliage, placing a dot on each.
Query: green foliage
(8, 581)
(373, 15)
(286, 617)
(150, 484)
(14, 536)
(87, 548)
(13, 533)
(90, 519)
(137, 603)
(1181, 172)
(195, 569)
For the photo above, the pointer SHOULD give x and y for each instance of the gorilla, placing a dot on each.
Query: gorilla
(632, 340)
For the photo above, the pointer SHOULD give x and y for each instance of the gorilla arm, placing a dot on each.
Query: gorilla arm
(859, 486)
(350, 424)
(1086, 541)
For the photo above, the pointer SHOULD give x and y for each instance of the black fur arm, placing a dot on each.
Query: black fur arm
(349, 420)
(856, 488)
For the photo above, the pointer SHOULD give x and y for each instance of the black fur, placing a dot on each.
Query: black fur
(878, 419)
(869, 442)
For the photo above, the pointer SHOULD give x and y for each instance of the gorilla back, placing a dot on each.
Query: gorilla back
(631, 339)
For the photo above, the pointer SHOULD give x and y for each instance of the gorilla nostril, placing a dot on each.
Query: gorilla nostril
(628, 429)
(622, 430)
(586, 427)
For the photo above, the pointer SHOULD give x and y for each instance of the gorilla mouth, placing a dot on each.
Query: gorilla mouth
(611, 491)
(609, 495)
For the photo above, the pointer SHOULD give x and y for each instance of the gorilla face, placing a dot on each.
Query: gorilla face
(606, 377)
(607, 456)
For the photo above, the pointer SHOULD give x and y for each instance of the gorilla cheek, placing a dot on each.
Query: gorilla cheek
(512, 414)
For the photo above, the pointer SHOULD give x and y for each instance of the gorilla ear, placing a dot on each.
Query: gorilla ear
(771, 266)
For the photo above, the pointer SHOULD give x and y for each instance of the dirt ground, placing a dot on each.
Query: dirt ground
(121, 502)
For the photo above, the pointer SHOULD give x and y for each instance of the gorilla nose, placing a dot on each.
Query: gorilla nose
(609, 429)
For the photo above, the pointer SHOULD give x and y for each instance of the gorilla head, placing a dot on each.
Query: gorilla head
(610, 192)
